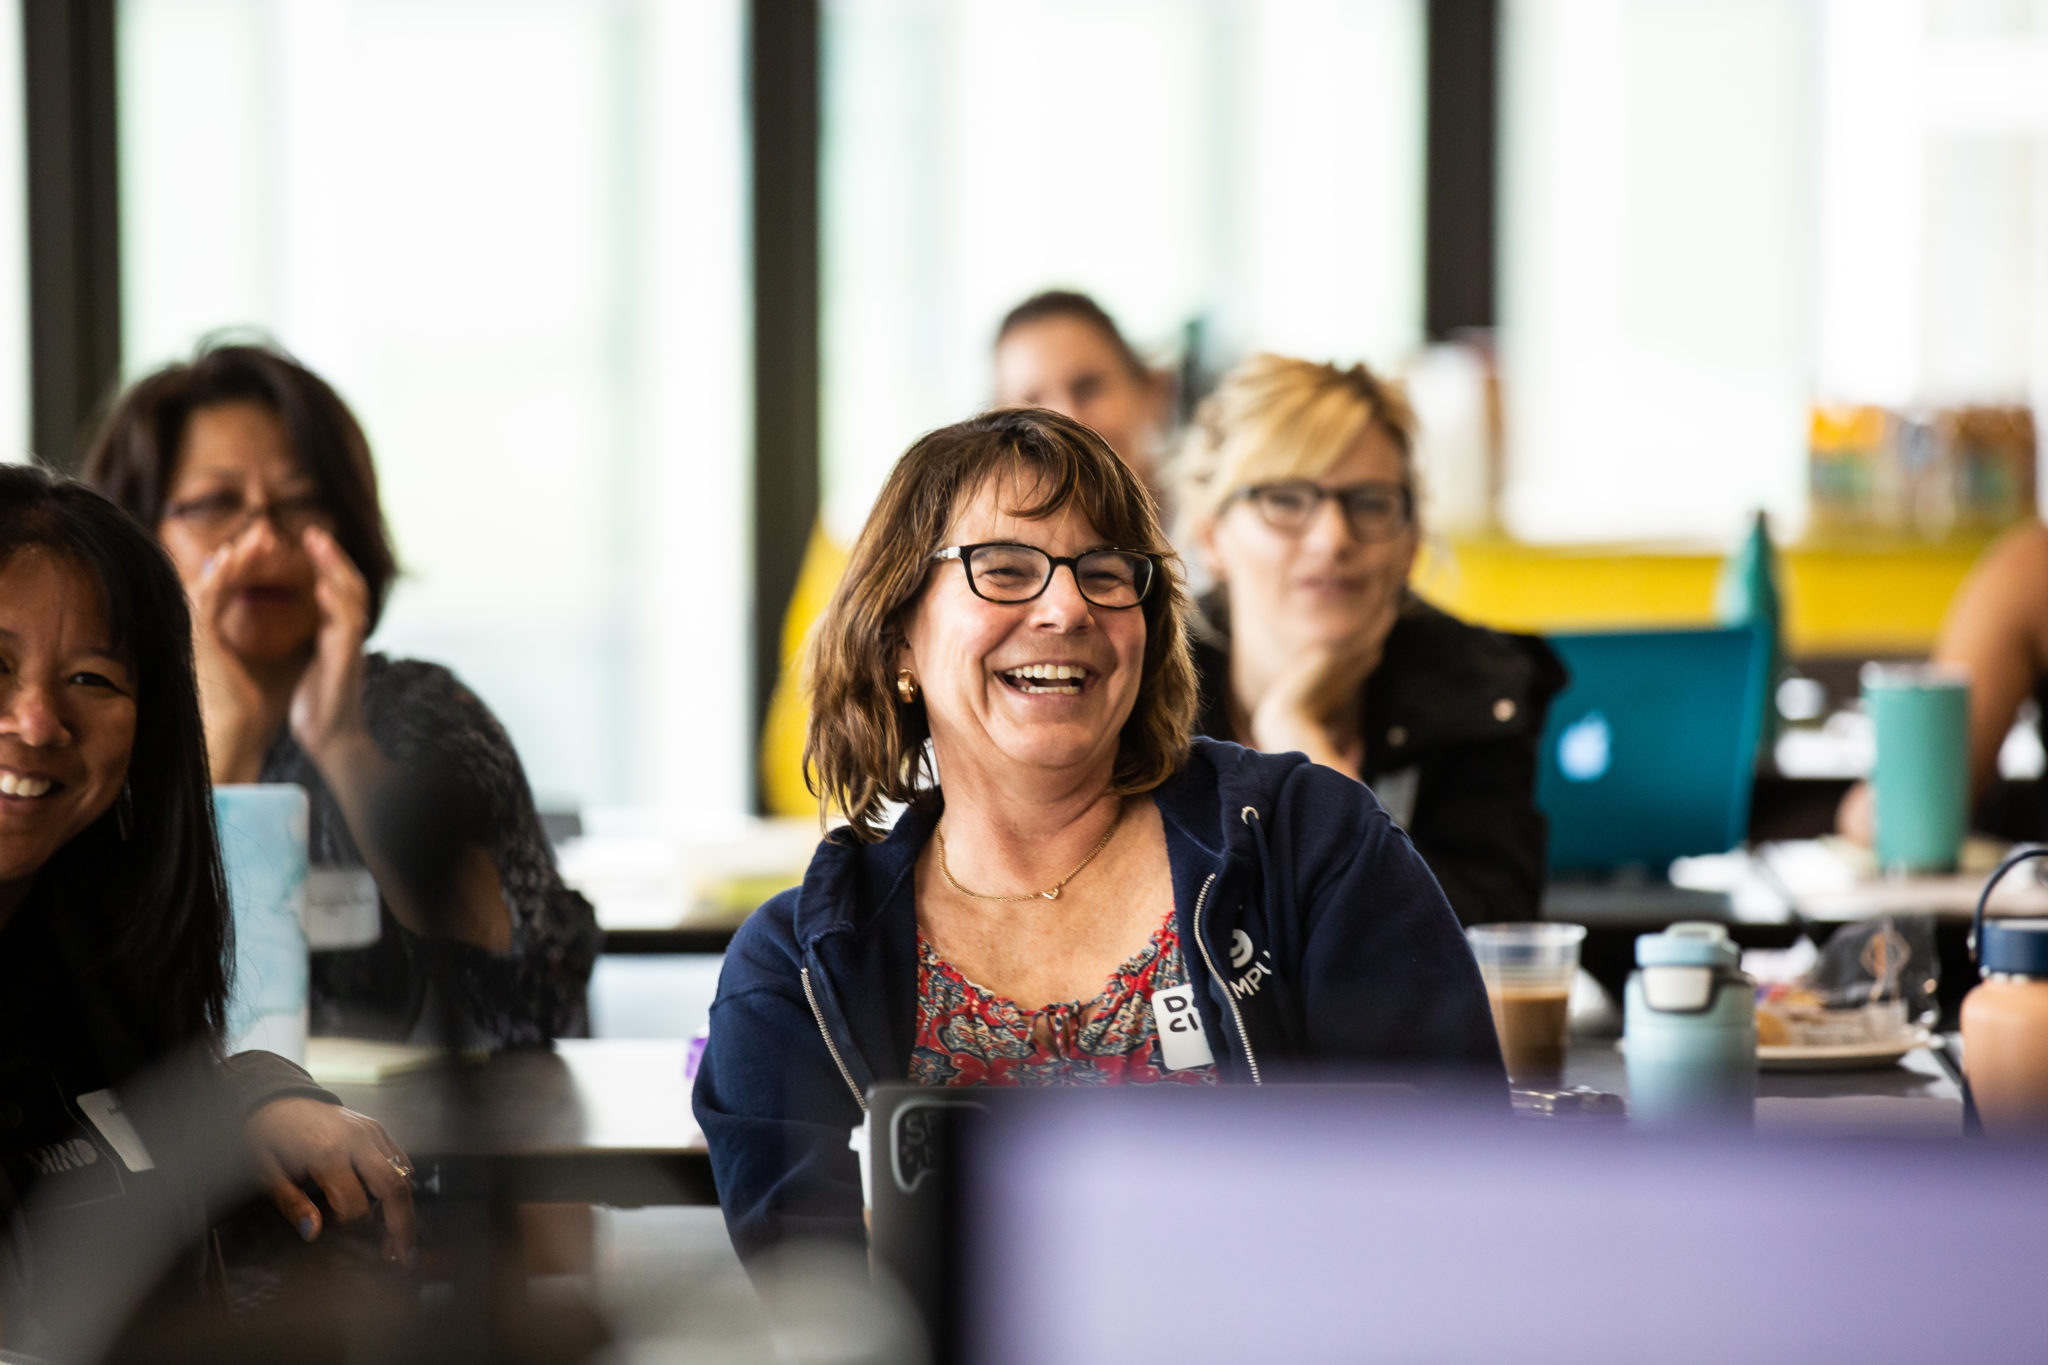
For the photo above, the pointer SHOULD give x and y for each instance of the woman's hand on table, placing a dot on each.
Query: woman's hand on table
(239, 720)
(349, 1156)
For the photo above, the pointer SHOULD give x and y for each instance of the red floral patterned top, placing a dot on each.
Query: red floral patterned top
(968, 1036)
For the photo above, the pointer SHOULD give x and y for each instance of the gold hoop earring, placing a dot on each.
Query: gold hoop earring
(906, 686)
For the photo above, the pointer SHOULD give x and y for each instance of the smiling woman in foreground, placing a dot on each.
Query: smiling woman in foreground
(1086, 868)
(114, 938)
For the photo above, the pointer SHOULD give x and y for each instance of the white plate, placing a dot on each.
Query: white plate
(1840, 1056)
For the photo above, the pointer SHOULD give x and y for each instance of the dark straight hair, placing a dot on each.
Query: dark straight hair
(1071, 303)
(151, 906)
(134, 456)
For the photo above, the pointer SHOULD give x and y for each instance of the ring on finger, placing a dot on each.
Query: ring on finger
(400, 1165)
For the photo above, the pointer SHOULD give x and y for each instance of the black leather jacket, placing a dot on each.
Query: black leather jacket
(1453, 715)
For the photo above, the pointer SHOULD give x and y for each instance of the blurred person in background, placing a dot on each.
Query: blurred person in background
(1996, 630)
(1006, 657)
(115, 932)
(1060, 350)
(258, 481)
(1297, 480)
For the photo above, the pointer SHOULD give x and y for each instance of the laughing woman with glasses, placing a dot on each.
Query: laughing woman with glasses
(1076, 891)
(1299, 483)
(257, 479)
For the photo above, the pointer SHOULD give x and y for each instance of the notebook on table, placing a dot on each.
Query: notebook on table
(366, 1061)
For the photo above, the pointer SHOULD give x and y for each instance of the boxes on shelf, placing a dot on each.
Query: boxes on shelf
(1934, 474)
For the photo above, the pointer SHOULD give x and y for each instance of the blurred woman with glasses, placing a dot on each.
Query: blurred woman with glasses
(1298, 482)
(1076, 890)
(257, 479)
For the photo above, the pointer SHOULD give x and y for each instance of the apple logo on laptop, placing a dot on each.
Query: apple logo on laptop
(1583, 749)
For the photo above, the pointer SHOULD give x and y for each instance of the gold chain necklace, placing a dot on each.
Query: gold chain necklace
(1057, 887)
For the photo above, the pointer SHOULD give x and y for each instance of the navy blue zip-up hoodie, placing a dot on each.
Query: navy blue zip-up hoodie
(1314, 936)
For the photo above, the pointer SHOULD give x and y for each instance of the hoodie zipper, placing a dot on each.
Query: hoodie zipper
(831, 1046)
(1229, 997)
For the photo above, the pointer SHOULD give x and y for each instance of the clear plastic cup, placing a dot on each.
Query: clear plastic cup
(1528, 970)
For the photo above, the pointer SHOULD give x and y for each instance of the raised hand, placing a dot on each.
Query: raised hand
(239, 718)
(327, 719)
(327, 705)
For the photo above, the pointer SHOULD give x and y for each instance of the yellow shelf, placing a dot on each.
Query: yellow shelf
(1839, 598)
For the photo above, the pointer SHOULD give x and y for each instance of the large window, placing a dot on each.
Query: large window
(512, 233)
(1719, 212)
(1250, 168)
(1933, 201)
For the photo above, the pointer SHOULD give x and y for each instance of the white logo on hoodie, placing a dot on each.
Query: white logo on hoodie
(1242, 952)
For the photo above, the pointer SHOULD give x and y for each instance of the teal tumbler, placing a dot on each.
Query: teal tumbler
(1921, 713)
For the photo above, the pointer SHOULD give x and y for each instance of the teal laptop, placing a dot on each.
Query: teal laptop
(1649, 753)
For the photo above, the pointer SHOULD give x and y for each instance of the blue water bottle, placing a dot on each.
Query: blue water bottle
(1690, 1022)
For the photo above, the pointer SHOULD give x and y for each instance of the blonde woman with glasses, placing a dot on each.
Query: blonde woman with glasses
(1298, 483)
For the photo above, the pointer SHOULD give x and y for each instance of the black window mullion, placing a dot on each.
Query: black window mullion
(1461, 166)
(74, 220)
(783, 98)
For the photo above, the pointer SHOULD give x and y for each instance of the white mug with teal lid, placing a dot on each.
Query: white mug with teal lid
(1690, 1025)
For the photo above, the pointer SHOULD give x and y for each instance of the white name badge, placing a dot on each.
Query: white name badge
(341, 908)
(1182, 1044)
(103, 1107)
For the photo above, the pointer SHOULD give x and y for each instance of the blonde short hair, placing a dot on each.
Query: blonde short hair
(866, 746)
(1275, 418)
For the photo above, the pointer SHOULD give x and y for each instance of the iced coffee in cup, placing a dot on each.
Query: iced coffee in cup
(1528, 970)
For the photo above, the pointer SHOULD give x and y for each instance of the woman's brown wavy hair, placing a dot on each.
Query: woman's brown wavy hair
(866, 748)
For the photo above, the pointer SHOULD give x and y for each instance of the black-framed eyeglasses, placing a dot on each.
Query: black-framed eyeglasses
(1375, 510)
(225, 515)
(1001, 572)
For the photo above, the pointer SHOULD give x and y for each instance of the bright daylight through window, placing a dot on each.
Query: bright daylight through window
(513, 236)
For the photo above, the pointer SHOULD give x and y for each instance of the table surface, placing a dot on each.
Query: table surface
(1914, 1097)
(625, 1099)
(1773, 886)
(587, 1096)
(1801, 879)
(588, 1122)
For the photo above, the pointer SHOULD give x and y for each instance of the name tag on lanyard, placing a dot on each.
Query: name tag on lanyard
(103, 1109)
(341, 908)
(1182, 1043)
